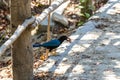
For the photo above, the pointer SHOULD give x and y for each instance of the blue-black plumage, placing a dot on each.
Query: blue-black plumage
(52, 44)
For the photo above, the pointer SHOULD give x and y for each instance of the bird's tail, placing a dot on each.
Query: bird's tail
(37, 45)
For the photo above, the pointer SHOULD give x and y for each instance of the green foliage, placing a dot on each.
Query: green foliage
(87, 15)
(86, 8)
(83, 1)
(80, 23)
(1, 38)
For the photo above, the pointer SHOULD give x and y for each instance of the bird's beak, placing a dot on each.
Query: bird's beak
(69, 40)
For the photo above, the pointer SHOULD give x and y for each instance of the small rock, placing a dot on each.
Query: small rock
(74, 16)
(60, 18)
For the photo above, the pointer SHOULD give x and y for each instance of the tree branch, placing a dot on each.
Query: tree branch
(27, 22)
(45, 13)
(16, 34)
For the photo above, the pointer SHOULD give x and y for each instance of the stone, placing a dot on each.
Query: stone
(60, 18)
(59, 11)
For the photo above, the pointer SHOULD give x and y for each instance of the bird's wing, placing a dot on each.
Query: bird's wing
(51, 43)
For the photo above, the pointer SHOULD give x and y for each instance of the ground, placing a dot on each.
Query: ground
(92, 55)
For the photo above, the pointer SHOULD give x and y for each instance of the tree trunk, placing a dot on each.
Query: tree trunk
(22, 54)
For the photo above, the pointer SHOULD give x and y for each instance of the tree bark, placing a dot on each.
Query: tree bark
(22, 54)
(36, 21)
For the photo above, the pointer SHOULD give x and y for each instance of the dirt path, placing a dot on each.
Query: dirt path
(94, 53)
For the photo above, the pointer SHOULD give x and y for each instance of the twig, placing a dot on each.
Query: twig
(27, 22)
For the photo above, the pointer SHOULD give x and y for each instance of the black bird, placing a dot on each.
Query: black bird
(52, 44)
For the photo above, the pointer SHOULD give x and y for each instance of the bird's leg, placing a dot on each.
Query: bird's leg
(45, 55)
(47, 52)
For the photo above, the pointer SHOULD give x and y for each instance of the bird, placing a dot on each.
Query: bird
(52, 44)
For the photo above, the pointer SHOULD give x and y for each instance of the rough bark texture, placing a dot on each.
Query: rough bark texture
(22, 57)
(38, 20)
